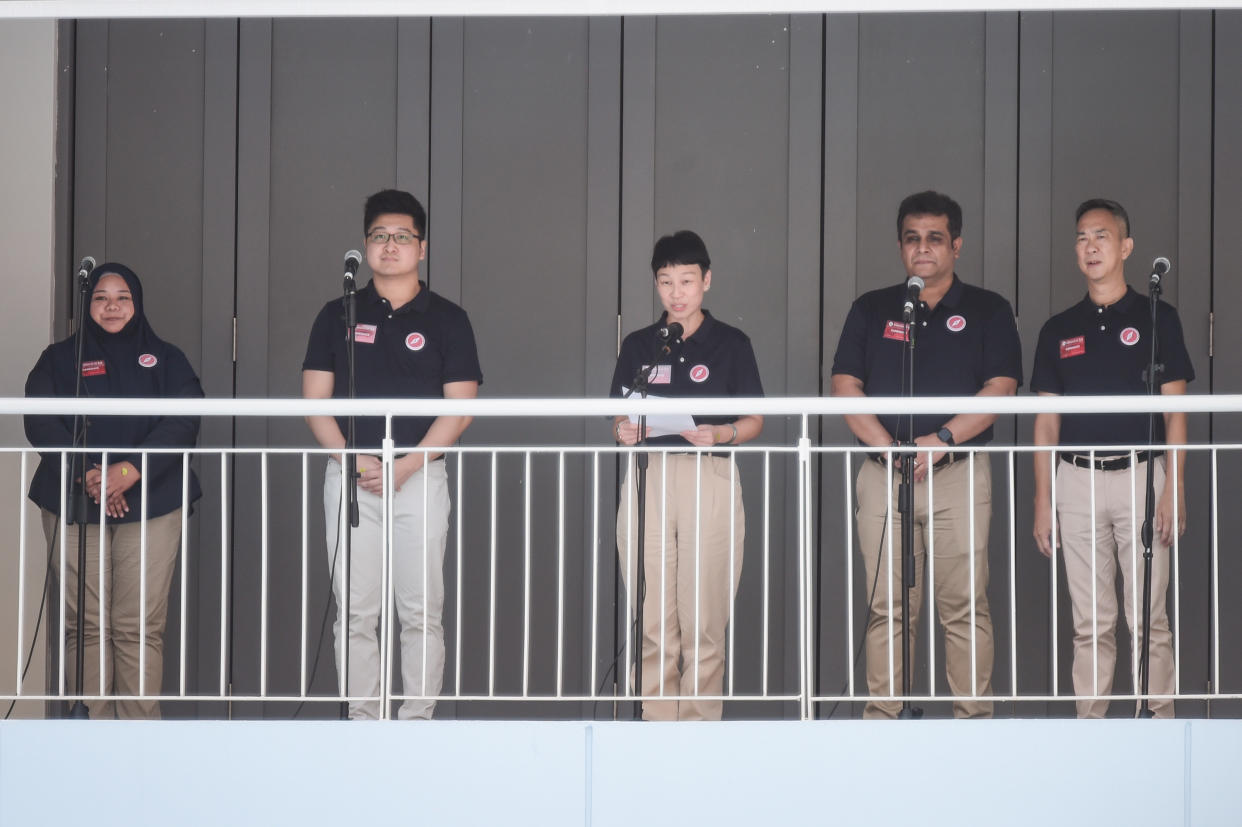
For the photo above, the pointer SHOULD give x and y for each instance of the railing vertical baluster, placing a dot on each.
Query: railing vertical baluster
(848, 523)
(1013, 576)
(526, 577)
(595, 555)
(224, 573)
(1215, 573)
(767, 561)
(461, 545)
(185, 562)
(491, 626)
(21, 574)
(305, 503)
(560, 575)
(264, 552)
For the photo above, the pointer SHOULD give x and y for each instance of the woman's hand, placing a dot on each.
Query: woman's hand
(122, 476)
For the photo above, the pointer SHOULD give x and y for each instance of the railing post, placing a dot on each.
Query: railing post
(385, 664)
(805, 612)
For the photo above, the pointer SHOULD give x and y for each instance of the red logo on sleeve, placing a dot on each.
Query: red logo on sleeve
(956, 323)
(365, 334)
(1130, 336)
(699, 373)
(94, 368)
(1076, 346)
(895, 330)
(415, 341)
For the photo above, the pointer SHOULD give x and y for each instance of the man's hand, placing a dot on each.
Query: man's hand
(1043, 528)
(1164, 515)
(924, 461)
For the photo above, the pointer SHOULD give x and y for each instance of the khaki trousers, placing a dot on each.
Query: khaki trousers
(684, 630)
(1119, 502)
(944, 524)
(123, 610)
(417, 587)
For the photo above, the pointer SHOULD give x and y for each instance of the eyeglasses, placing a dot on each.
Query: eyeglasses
(381, 237)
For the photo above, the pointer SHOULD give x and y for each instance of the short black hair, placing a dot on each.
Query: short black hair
(930, 202)
(399, 202)
(1118, 211)
(682, 247)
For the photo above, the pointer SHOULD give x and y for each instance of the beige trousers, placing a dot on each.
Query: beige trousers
(123, 610)
(690, 538)
(944, 524)
(1119, 502)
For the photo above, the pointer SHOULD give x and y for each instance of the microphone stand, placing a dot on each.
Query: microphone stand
(349, 301)
(78, 505)
(641, 384)
(1153, 368)
(905, 508)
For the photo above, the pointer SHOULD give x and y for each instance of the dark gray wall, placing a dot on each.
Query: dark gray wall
(227, 161)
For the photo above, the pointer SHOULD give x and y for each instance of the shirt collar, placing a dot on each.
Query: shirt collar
(418, 304)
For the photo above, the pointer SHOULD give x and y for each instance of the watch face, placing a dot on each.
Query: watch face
(945, 436)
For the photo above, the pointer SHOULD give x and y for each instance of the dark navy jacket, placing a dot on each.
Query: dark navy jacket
(131, 363)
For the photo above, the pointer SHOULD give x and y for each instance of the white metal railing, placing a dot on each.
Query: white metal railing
(510, 640)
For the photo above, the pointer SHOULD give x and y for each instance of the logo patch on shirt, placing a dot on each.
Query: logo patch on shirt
(94, 368)
(415, 341)
(895, 330)
(365, 333)
(148, 360)
(1130, 336)
(699, 373)
(956, 323)
(1076, 346)
(659, 375)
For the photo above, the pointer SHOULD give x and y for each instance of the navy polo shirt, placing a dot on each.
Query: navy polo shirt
(1089, 349)
(716, 360)
(968, 339)
(408, 352)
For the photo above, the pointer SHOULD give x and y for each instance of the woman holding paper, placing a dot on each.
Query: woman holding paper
(695, 524)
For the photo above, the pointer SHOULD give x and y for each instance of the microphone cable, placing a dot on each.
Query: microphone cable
(47, 576)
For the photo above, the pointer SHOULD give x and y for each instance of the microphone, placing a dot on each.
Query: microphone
(84, 269)
(671, 332)
(1159, 269)
(666, 336)
(352, 259)
(914, 286)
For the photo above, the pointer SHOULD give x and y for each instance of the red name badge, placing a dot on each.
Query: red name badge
(365, 333)
(895, 330)
(95, 368)
(1076, 346)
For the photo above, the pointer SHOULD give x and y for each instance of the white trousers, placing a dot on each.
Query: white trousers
(417, 587)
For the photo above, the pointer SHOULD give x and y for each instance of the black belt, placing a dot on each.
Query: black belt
(948, 459)
(721, 454)
(1118, 463)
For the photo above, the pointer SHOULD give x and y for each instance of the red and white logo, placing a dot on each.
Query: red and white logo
(365, 333)
(895, 330)
(1076, 346)
(148, 360)
(415, 341)
(699, 373)
(1130, 336)
(956, 323)
(94, 368)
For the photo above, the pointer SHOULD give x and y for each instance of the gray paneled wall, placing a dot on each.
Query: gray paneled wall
(228, 160)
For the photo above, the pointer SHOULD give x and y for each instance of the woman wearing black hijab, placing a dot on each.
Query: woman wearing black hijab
(121, 357)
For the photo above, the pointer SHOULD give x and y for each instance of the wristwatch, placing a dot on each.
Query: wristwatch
(945, 436)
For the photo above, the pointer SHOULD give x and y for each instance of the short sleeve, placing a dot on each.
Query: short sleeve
(1044, 376)
(1172, 345)
(461, 354)
(1002, 349)
(745, 380)
(851, 356)
(319, 349)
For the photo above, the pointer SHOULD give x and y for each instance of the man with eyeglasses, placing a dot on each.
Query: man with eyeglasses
(408, 342)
